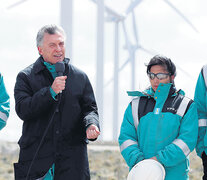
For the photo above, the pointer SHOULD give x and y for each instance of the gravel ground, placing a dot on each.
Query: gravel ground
(105, 161)
(108, 164)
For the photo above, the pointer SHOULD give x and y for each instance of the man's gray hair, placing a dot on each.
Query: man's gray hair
(50, 29)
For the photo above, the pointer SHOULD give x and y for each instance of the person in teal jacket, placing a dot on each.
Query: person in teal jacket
(200, 99)
(160, 123)
(4, 104)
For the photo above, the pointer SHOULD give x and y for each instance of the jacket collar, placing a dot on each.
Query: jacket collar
(39, 64)
(163, 88)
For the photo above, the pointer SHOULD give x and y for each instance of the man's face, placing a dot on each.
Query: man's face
(52, 48)
(155, 82)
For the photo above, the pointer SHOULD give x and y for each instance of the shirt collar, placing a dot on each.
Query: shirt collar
(39, 64)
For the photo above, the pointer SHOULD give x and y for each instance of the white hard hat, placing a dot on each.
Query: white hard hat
(147, 169)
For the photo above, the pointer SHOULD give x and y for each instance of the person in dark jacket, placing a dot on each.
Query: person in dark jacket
(59, 114)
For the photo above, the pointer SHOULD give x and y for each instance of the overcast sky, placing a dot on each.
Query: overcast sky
(159, 27)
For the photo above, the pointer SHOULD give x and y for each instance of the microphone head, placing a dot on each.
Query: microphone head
(60, 68)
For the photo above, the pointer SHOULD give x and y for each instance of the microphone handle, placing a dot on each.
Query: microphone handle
(60, 74)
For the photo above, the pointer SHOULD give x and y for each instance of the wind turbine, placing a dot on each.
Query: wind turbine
(117, 18)
(66, 21)
(136, 2)
(132, 48)
(130, 9)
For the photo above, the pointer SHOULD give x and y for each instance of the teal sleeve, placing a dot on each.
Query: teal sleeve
(173, 154)
(53, 94)
(200, 100)
(50, 173)
(128, 140)
(4, 104)
(2, 124)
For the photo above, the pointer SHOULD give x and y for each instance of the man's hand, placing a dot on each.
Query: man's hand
(59, 84)
(92, 132)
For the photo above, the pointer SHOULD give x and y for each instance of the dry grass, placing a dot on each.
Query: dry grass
(109, 165)
(106, 163)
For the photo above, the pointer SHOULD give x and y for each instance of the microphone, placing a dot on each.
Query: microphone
(60, 68)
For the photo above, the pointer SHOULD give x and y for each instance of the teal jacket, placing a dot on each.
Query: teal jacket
(4, 104)
(162, 124)
(200, 99)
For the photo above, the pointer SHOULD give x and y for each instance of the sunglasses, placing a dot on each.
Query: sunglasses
(159, 76)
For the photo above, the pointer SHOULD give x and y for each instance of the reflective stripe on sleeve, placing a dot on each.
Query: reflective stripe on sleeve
(182, 145)
(202, 122)
(126, 144)
(183, 106)
(135, 106)
(3, 116)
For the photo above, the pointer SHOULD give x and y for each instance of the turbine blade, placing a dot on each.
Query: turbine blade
(127, 41)
(153, 53)
(120, 69)
(132, 6)
(111, 11)
(185, 72)
(16, 4)
(123, 65)
(109, 82)
(181, 15)
(134, 27)
(114, 13)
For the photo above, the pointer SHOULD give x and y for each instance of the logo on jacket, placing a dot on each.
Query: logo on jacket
(157, 111)
(171, 109)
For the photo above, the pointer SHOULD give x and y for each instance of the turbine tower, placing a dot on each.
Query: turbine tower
(100, 61)
(66, 21)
